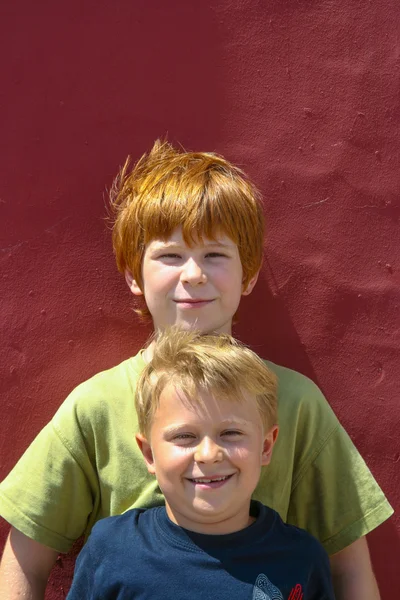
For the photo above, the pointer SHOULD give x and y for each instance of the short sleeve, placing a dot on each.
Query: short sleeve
(317, 479)
(38, 495)
(83, 466)
(335, 497)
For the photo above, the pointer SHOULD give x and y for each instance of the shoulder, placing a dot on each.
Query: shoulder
(114, 526)
(295, 385)
(98, 410)
(112, 381)
(303, 409)
(107, 389)
(300, 539)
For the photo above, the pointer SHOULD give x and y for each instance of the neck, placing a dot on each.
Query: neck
(148, 352)
(230, 524)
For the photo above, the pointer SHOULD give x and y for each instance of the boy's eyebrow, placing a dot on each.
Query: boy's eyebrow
(226, 423)
(175, 429)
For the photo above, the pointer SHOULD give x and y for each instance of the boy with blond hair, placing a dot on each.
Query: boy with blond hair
(207, 418)
(188, 237)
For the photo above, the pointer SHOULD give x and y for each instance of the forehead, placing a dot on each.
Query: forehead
(205, 406)
(177, 238)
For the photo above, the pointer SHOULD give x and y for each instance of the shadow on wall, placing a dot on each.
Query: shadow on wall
(265, 324)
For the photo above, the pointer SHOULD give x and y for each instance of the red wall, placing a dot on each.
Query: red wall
(304, 96)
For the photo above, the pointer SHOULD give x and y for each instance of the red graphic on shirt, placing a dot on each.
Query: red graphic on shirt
(296, 593)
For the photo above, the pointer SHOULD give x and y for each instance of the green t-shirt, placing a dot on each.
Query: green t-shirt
(85, 465)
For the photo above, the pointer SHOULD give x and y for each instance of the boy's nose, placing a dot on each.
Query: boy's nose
(208, 451)
(193, 273)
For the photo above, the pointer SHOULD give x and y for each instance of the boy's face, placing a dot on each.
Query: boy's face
(207, 459)
(196, 287)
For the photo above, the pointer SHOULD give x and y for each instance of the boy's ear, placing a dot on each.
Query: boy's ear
(269, 441)
(249, 287)
(132, 285)
(147, 452)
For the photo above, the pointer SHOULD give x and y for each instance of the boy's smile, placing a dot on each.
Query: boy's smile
(198, 286)
(207, 458)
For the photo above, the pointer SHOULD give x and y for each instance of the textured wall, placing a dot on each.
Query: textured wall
(303, 95)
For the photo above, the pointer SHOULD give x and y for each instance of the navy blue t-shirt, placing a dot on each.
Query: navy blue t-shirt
(143, 555)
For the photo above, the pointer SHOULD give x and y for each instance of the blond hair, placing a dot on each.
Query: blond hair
(199, 191)
(192, 362)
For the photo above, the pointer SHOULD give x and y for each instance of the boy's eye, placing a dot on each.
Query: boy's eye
(169, 255)
(231, 433)
(184, 436)
(215, 255)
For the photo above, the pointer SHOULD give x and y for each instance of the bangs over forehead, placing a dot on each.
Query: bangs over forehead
(190, 391)
(200, 192)
(202, 200)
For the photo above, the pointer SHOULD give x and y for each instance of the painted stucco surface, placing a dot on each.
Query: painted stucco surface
(305, 97)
